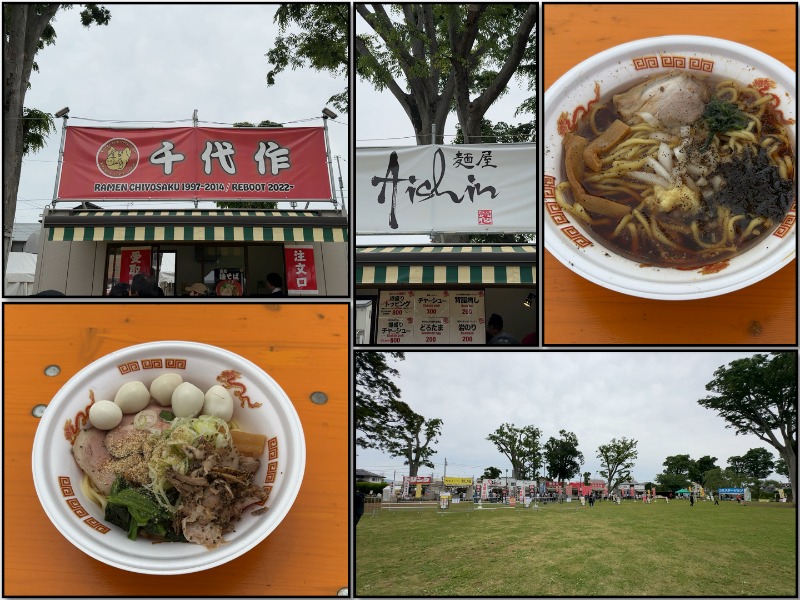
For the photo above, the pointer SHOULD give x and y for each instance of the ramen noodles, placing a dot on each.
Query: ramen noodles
(680, 171)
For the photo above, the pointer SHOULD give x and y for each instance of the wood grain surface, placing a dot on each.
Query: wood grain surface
(576, 311)
(303, 347)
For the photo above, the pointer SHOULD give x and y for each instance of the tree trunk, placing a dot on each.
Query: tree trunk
(25, 29)
(791, 462)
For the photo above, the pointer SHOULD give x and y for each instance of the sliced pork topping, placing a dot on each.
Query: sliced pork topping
(674, 99)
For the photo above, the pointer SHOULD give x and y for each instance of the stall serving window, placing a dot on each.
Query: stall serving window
(226, 270)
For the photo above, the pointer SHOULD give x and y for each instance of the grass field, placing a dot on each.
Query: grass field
(609, 550)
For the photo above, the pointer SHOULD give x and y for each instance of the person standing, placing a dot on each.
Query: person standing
(495, 333)
(144, 286)
(274, 285)
(691, 499)
(359, 505)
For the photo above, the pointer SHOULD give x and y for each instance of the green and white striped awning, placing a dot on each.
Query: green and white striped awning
(426, 265)
(194, 226)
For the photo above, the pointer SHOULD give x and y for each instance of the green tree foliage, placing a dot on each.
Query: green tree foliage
(587, 477)
(237, 204)
(562, 457)
(383, 420)
(717, 478)
(758, 464)
(432, 57)
(616, 460)
(699, 467)
(376, 394)
(36, 126)
(367, 487)
(758, 396)
(522, 447)
(322, 43)
(411, 436)
(737, 466)
(27, 29)
(676, 472)
(500, 133)
(491, 473)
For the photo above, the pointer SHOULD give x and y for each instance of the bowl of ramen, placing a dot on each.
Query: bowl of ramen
(168, 457)
(669, 167)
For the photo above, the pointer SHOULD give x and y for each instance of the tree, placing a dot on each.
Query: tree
(238, 204)
(491, 473)
(699, 468)
(434, 56)
(562, 456)
(758, 395)
(616, 460)
(521, 446)
(758, 464)
(376, 394)
(737, 467)
(323, 43)
(717, 478)
(500, 133)
(676, 472)
(27, 29)
(410, 437)
(587, 477)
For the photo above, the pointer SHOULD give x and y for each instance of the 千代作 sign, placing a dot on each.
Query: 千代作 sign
(489, 188)
(195, 162)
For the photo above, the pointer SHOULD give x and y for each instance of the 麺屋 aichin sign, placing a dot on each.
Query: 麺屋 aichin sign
(459, 189)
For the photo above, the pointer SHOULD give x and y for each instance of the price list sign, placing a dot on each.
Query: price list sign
(396, 317)
(468, 318)
(431, 317)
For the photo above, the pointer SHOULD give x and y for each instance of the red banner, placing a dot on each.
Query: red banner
(301, 272)
(195, 162)
(133, 261)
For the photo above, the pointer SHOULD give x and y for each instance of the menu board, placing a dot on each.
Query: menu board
(396, 318)
(468, 315)
(431, 317)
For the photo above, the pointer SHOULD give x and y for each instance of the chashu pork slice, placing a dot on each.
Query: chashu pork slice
(675, 99)
(92, 456)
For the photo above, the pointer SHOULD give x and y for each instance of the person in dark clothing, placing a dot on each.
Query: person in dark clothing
(144, 286)
(359, 505)
(691, 499)
(120, 290)
(275, 285)
(495, 333)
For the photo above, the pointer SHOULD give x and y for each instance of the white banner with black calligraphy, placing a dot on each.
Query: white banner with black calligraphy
(487, 188)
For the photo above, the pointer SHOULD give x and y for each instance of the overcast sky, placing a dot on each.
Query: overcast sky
(160, 62)
(381, 121)
(648, 396)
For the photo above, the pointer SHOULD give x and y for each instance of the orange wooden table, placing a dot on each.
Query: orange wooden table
(577, 311)
(303, 347)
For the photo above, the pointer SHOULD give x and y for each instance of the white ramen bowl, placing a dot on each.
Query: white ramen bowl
(621, 67)
(57, 477)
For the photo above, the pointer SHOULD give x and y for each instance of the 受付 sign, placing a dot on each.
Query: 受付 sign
(461, 189)
(195, 162)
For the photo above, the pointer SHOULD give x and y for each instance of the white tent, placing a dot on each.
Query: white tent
(20, 271)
